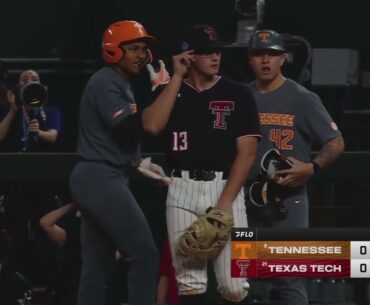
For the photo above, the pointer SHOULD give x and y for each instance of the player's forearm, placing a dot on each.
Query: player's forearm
(329, 152)
(48, 136)
(162, 290)
(51, 218)
(5, 124)
(238, 172)
(56, 234)
(155, 117)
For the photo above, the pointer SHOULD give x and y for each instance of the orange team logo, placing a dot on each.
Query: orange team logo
(264, 37)
(118, 113)
(281, 137)
(133, 108)
(280, 119)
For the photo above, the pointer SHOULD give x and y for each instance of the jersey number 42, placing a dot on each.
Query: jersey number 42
(281, 138)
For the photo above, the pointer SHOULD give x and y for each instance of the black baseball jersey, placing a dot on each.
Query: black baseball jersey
(204, 126)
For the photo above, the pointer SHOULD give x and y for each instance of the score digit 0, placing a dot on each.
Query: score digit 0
(360, 268)
(360, 250)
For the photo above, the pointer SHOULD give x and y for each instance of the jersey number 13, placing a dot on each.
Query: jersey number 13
(180, 140)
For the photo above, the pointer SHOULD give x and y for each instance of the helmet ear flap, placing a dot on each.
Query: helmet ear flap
(119, 52)
(112, 53)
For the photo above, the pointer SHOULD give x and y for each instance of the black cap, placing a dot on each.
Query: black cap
(266, 40)
(201, 38)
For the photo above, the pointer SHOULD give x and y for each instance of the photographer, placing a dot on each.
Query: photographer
(24, 127)
(27, 124)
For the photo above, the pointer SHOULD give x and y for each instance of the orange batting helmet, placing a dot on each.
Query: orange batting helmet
(119, 32)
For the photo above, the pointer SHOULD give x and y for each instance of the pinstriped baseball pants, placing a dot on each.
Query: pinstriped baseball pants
(188, 199)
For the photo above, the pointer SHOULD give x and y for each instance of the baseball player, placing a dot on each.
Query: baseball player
(291, 119)
(211, 139)
(109, 131)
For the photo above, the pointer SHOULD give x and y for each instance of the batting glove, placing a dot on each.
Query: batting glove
(158, 78)
(153, 171)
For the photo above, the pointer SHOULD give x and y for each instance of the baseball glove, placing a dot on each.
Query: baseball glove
(264, 193)
(206, 237)
(272, 161)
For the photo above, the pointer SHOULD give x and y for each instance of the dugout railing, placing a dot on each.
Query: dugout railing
(348, 177)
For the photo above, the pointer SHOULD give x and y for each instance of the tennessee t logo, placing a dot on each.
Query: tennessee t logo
(220, 109)
(264, 37)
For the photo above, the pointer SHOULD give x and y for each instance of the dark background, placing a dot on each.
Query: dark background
(72, 30)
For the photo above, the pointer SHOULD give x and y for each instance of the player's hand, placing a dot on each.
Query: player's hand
(161, 77)
(182, 62)
(34, 126)
(153, 171)
(298, 175)
(11, 100)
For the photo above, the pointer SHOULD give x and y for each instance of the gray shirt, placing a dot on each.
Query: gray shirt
(292, 119)
(107, 101)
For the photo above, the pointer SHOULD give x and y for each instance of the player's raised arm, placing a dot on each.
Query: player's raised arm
(155, 117)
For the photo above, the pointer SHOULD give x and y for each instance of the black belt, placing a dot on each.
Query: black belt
(199, 174)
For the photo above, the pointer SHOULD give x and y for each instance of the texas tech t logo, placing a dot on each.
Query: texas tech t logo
(210, 32)
(221, 109)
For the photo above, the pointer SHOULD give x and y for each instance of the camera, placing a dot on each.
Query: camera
(32, 94)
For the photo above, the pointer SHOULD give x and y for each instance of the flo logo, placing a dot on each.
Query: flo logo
(241, 234)
(221, 109)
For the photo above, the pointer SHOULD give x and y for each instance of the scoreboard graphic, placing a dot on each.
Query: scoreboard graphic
(300, 252)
